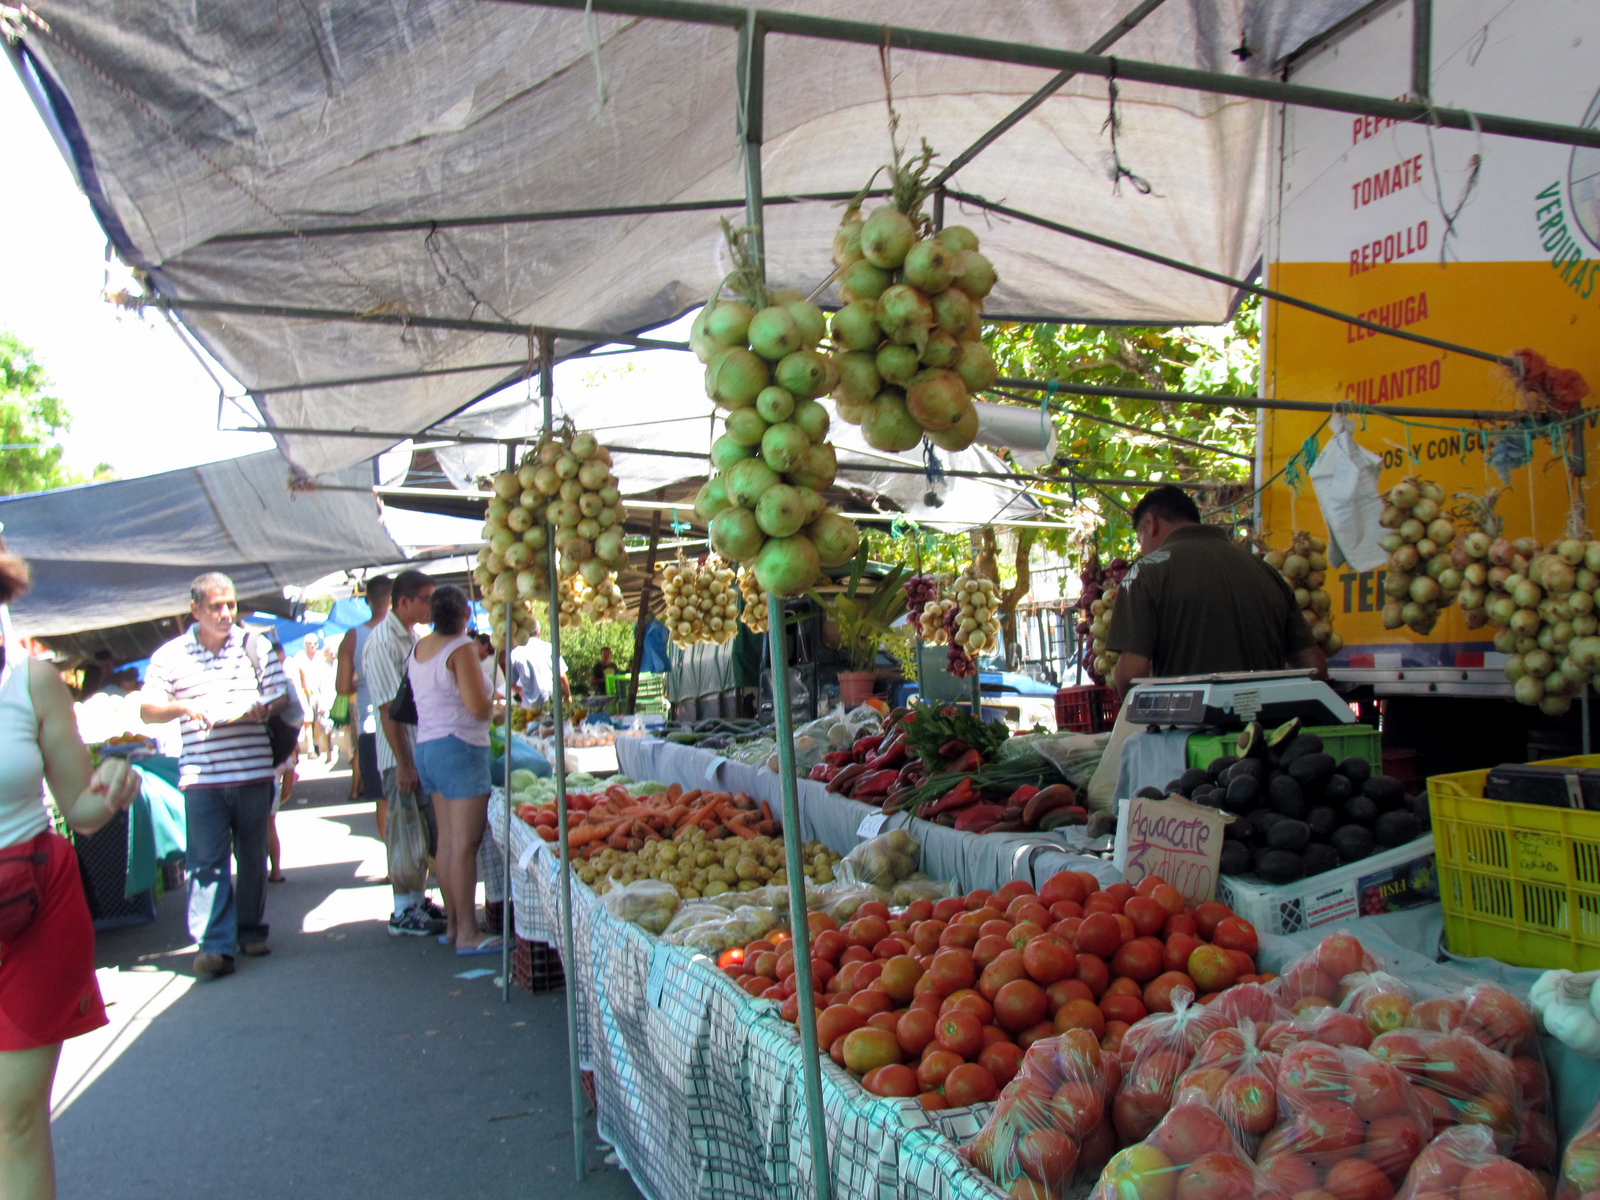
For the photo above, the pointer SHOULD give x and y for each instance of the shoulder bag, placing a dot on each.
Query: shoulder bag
(403, 708)
(283, 736)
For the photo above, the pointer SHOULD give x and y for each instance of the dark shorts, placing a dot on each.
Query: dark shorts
(424, 805)
(367, 759)
(48, 991)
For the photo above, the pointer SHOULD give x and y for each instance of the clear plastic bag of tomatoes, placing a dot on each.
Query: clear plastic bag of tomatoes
(1050, 1123)
(1154, 1053)
(1312, 980)
(1189, 1155)
(1380, 1001)
(1462, 1081)
(1503, 1025)
(1463, 1164)
(1347, 1123)
(1580, 1163)
(1239, 1080)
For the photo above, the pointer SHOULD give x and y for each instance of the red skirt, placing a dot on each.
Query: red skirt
(48, 991)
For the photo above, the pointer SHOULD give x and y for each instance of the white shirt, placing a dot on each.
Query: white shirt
(383, 662)
(530, 669)
(226, 684)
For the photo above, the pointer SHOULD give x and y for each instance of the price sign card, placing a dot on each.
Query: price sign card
(1175, 839)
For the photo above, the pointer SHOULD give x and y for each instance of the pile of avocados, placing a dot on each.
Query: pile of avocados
(1298, 811)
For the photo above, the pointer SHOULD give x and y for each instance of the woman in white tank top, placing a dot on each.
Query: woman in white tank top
(47, 986)
(452, 756)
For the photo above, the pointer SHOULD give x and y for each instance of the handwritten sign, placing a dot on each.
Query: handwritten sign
(870, 825)
(1175, 839)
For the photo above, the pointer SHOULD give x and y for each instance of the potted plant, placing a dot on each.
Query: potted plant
(864, 624)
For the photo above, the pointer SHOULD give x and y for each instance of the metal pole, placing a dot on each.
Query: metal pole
(751, 82)
(505, 829)
(1422, 50)
(1585, 717)
(568, 962)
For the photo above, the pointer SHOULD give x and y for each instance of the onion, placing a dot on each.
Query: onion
(862, 281)
(1412, 530)
(1501, 552)
(734, 378)
(836, 539)
(1527, 546)
(1424, 590)
(936, 399)
(1476, 574)
(747, 480)
(1525, 622)
(898, 365)
(774, 333)
(974, 274)
(1413, 612)
(930, 266)
(1538, 663)
(904, 315)
(1505, 641)
(1391, 541)
(858, 382)
(1425, 510)
(855, 326)
(886, 237)
(1396, 584)
(1477, 543)
(1404, 559)
(1393, 616)
(1515, 668)
(1404, 494)
(1555, 706)
(810, 319)
(1296, 567)
(725, 452)
(781, 511)
(1441, 530)
(942, 350)
(1274, 559)
(888, 426)
(1450, 579)
(847, 239)
(1471, 597)
(1426, 549)
(728, 321)
(953, 310)
(976, 366)
(1527, 594)
(1584, 625)
(818, 469)
(958, 237)
(805, 373)
(1559, 576)
(1391, 517)
(812, 419)
(1528, 690)
(787, 567)
(1571, 551)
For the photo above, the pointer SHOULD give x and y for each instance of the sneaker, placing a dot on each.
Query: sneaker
(432, 909)
(213, 965)
(415, 923)
(255, 949)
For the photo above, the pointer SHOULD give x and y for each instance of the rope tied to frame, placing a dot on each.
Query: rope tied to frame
(591, 30)
(1113, 123)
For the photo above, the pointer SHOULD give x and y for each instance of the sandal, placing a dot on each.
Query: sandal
(489, 945)
(280, 877)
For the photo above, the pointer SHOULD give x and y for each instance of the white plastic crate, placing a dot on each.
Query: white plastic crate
(1404, 877)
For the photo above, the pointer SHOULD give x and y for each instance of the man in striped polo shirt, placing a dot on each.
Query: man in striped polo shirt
(221, 684)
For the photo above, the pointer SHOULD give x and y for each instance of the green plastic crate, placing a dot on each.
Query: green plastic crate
(1341, 741)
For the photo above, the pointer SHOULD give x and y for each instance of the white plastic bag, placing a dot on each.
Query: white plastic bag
(1345, 477)
(406, 838)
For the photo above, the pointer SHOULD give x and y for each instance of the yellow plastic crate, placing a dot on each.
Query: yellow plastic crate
(1517, 882)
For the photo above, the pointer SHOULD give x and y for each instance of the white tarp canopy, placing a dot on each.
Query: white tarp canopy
(190, 125)
(108, 554)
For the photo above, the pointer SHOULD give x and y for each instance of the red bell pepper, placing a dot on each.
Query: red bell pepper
(978, 817)
(960, 796)
(893, 755)
(874, 785)
(823, 772)
(838, 758)
(953, 749)
(965, 765)
(845, 777)
(1022, 795)
(864, 747)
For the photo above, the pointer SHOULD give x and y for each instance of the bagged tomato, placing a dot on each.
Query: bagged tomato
(1239, 1080)
(1461, 1164)
(1189, 1155)
(1462, 1081)
(1580, 1163)
(1380, 1001)
(1050, 1121)
(1312, 981)
(1497, 1020)
(1154, 1053)
(1348, 1124)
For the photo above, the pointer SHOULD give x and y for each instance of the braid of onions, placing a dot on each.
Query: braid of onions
(700, 601)
(763, 504)
(907, 350)
(927, 606)
(1304, 567)
(1419, 543)
(1481, 529)
(1543, 603)
(754, 612)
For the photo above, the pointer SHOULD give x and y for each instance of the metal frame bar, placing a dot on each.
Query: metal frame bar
(392, 377)
(1422, 49)
(1219, 83)
(505, 828)
(1217, 277)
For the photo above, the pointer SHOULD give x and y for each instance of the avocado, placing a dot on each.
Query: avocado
(1218, 765)
(1359, 810)
(1264, 819)
(1356, 769)
(1209, 795)
(1242, 794)
(1286, 798)
(1385, 791)
(1254, 768)
(1336, 789)
(1323, 820)
(1293, 836)
(1311, 771)
(1173, 787)
(1303, 744)
(1235, 859)
(1239, 831)
(1257, 853)
(1191, 779)
(1352, 842)
(1150, 793)
(1278, 740)
(1252, 741)
(1319, 858)
(1281, 866)
(1419, 809)
(1397, 828)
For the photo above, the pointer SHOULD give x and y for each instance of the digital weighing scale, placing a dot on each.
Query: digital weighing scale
(1229, 701)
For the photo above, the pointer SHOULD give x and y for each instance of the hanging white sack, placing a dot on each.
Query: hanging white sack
(1345, 476)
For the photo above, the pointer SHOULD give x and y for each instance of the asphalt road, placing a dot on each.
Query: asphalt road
(349, 1064)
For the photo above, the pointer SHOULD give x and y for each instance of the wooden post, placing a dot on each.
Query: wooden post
(644, 604)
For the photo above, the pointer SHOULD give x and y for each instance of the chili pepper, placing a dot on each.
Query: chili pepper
(965, 765)
(1006, 826)
(960, 796)
(948, 820)
(865, 746)
(838, 758)
(823, 772)
(873, 785)
(890, 756)
(845, 777)
(954, 748)
(1022, 795)
(913, 772)
(978, 817)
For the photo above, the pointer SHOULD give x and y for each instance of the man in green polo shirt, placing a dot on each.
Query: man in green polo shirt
(1198, 603)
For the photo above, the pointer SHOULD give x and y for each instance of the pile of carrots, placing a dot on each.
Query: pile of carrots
(622, 821)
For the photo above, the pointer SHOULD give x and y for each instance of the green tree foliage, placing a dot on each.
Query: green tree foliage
(581, 648)
(31, 420)
(1221, 360)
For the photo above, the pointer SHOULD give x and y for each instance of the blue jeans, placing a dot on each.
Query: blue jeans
(227, 822)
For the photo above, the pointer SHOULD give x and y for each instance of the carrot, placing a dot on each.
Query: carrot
(738, 825)
(767, 828)
(585, 834)
(619, 837)
(674, 791)
(617, 792)
(688, 797)
(766, 811)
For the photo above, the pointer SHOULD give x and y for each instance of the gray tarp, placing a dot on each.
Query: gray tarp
(190, 122)
(112, 553)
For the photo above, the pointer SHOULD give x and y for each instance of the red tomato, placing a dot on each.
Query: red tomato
(886, 1021)
(918, 910)
(1036, 1032)
(1080, 1014)
(1049, 1157)
(949, 908)
(891, 947)
(1049, 958)
(1135, 1116)
(1099, 935)
(1235, 933)
(1499, 1179)
(1218, 1175)
(867, 973)
(1115, 1032)
(1124, 927)
(1357, 1179)
(1158, 992)
(937, 1062)
(1211, 968)
(1062, 990)
(1289, 1173)
(1063, 886)
(1243, 964)
(1138, 960)
(1013, 889)
(952, 969)
(1067, 928)
(993, 1034)
(969, 1084)
(1034, 913)
(1209, 915)
(1178, 947)
(1101, 902)
(1062, 909)
(1377, 1089)
(855, 954)
(989, 948)
(1006, 967)
(1024, 932)
(961, 1033)
(1326, 1128)
(895, 1079)
(1249, 1103)
(957, 935)
(1123, 986)
(915, 1030)
(1093, 973)
(1129, 1009)
(1147, 916)
(1170, 898)
(1340, 954)
(1393, 1143)
(1311, 1073)
(1019, 1004)
(970, 1000)
(927, 1001)
(1002, 1060)
(977, 898)
(867, 1048)
(870, 1001)
(1335, 1028)
(1180, 923)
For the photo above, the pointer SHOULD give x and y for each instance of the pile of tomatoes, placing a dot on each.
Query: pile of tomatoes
(940, 1000)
